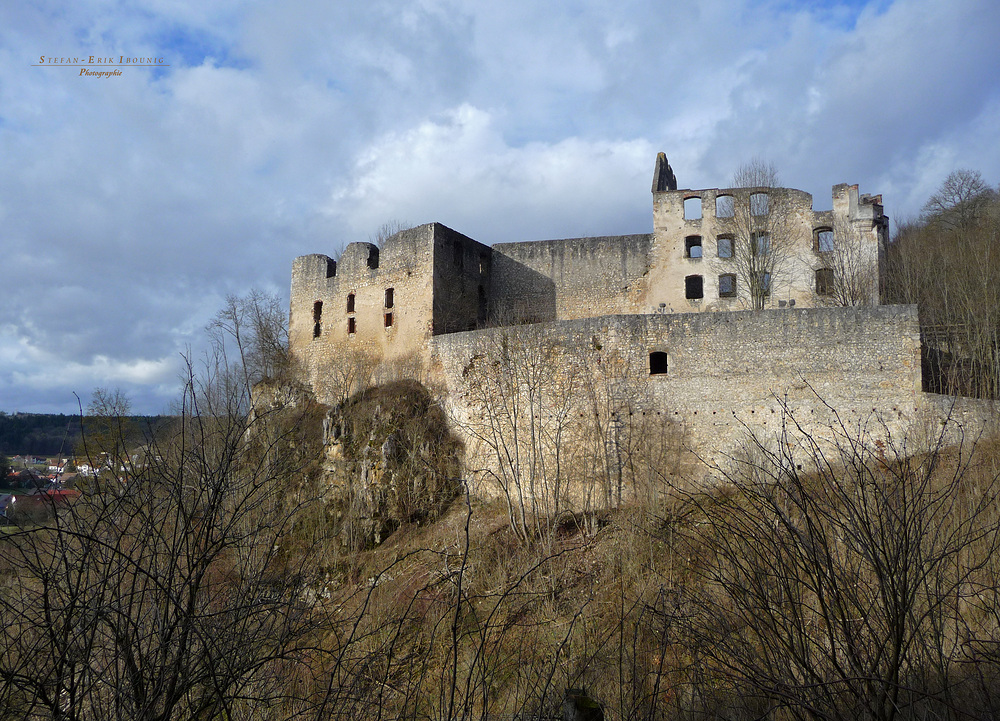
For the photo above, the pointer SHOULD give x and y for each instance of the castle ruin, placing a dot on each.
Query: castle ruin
(697, 342)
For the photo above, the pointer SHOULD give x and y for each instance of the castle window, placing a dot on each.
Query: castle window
(388, 320)
(657, 363)
(317, 318)
(824, 240)
(694, 287)
(692, 208)
(727, 285)
(725, 246)
(352, 326)
(389, 293)
(760, 244)
(459, 253)
(692, 246)
(350, 302)
(484, 264)
(725, 207)
(759, 204)
(824, 281)
(765, 283)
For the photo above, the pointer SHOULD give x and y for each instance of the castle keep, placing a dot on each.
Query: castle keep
(668, 311)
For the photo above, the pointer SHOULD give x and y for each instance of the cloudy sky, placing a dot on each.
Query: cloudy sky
(130, 206)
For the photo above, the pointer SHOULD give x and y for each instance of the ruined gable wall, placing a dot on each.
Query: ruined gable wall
(571, 278)
(405, 264)
(727, 370)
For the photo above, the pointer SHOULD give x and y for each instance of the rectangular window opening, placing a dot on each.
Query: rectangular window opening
(389, 297)
(824, 241)
(388, 320)
(657, 363)
(824, 281)
(352, 326)
(350, 302)
(692, 246)
(694, 287)
(725, 246)
(727, 285)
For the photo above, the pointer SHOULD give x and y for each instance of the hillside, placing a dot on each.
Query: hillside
(42, 434)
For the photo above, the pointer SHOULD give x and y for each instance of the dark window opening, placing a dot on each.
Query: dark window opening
(725, 207)
(725, 246)
(389, 293)
(694, 287)
(824, 281)
(352, 326)
(317, 329)
(459, 252)
(657, 363)
(692, 208)
(373, 258)
(350, 302)
(484, 264)
(388, 320)
(317, 311)
(692, 246)
(824, 240)
(727, 285)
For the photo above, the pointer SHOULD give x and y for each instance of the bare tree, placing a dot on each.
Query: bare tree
(168, 592)
(386, 231)
(834, 573)
(255, 328)
(960, 201)
(760, 228)
(847, 272)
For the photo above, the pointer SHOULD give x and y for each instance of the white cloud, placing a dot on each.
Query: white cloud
(458, 170)
(129, 207)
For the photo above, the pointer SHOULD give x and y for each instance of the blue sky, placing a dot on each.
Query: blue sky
(131, 206)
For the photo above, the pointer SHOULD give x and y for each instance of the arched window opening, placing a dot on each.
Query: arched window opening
(692, 208)
(657, 363)
(725, 206)
(759, 204)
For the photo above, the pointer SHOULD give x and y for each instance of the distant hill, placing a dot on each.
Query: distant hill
(44, 434)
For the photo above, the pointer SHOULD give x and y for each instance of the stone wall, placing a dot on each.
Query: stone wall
(571, 278)
(727, 373)
(380, 325)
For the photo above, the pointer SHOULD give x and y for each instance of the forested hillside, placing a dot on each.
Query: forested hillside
(44, 434)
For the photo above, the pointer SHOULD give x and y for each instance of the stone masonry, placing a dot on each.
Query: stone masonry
(422, 304)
